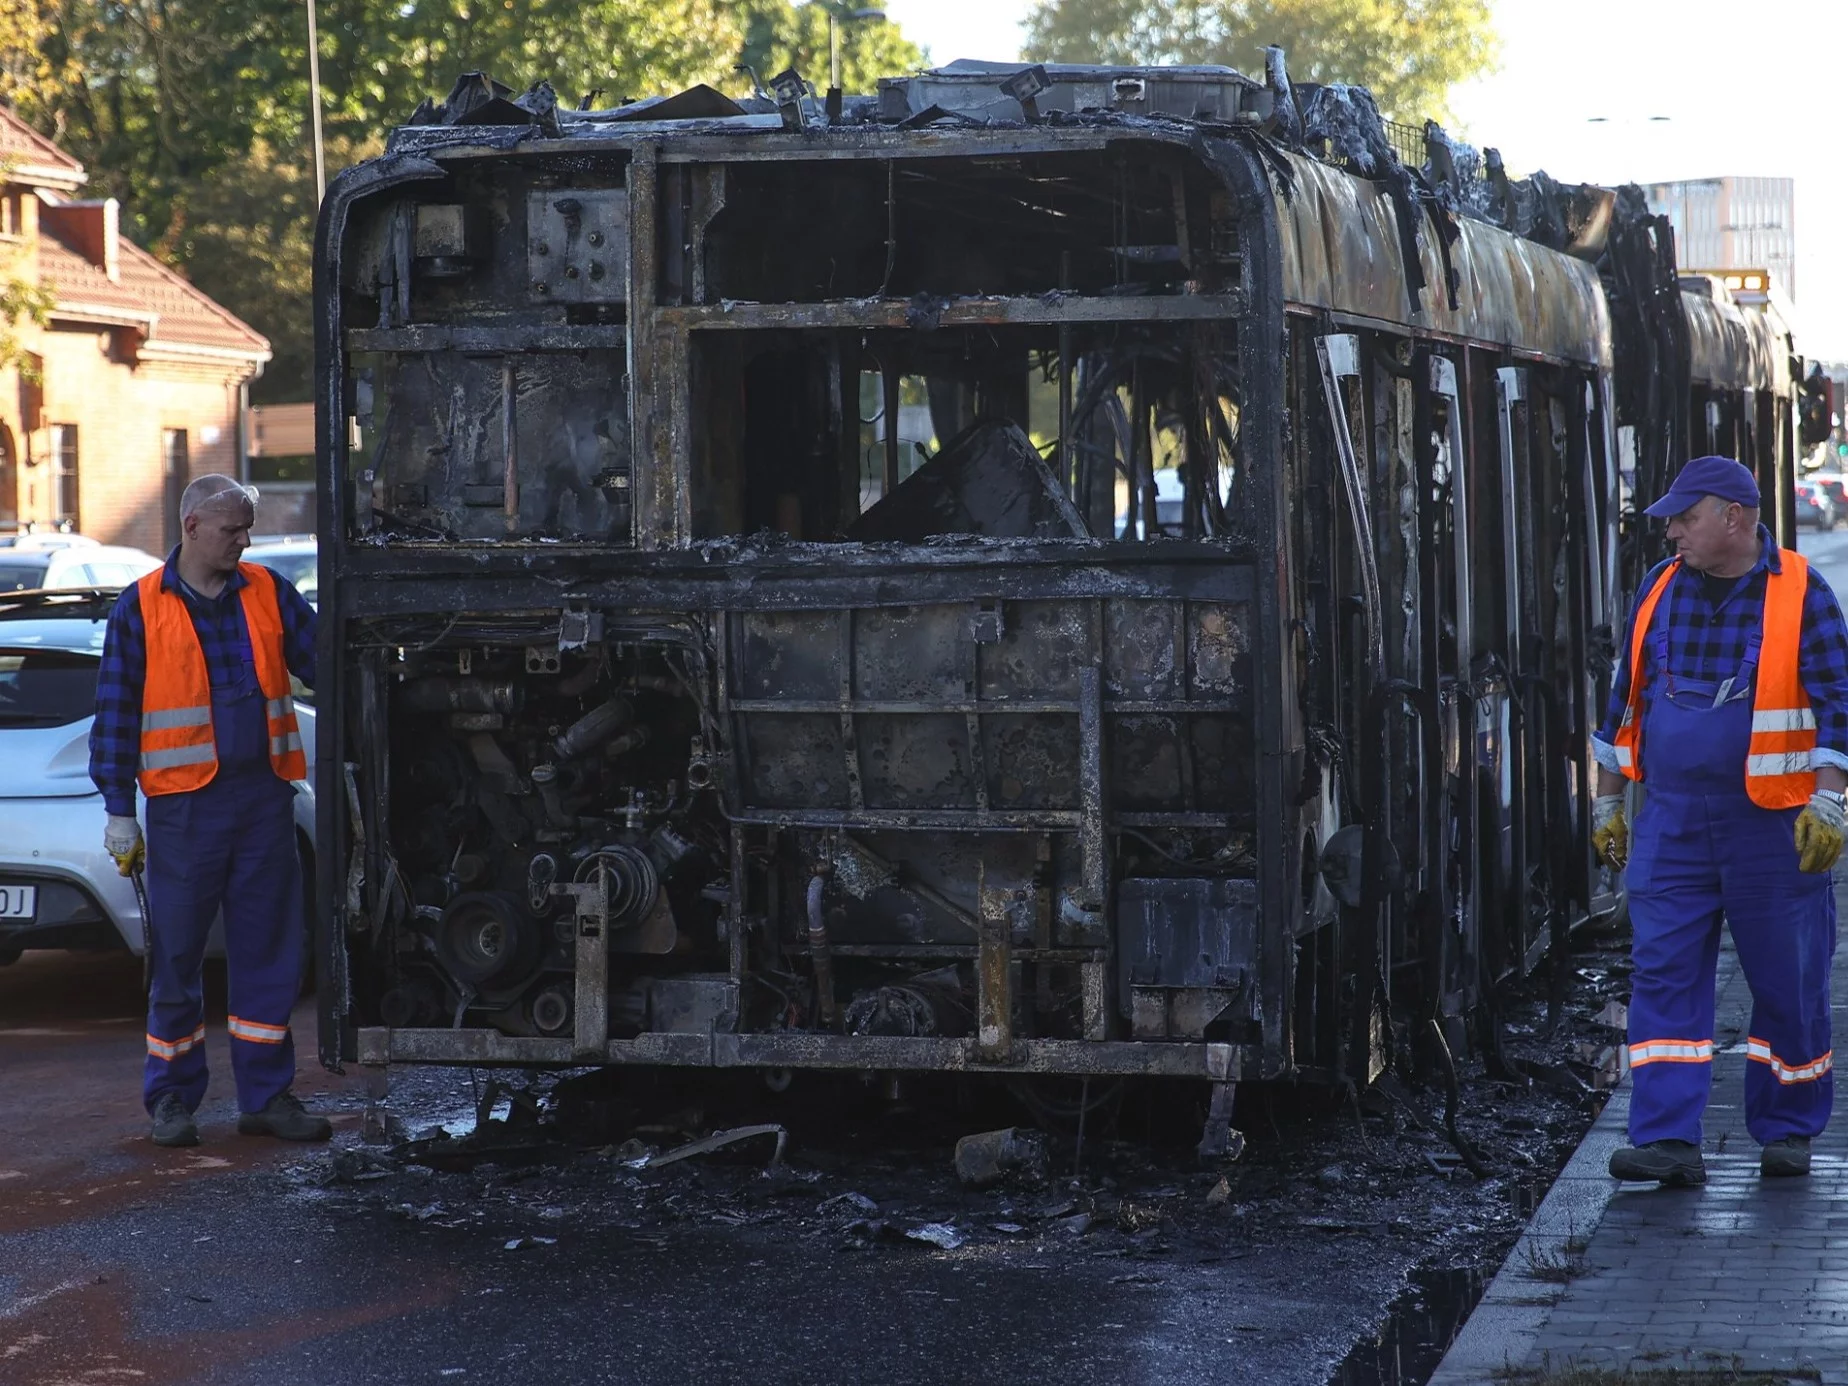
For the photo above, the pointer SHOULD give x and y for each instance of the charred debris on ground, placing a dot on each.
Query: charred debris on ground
(648, 1157)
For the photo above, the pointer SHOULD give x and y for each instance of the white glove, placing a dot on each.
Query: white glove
(122, 840)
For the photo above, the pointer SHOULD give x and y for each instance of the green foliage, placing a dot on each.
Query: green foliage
(195, 113)
(249, 236)
(1409, 52)
(20, 303)
(779, 35)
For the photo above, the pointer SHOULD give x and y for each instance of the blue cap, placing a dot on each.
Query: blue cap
(1707, 476)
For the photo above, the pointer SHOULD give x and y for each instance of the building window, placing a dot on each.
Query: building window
(64, 475)
(9, 481)
(176, 471)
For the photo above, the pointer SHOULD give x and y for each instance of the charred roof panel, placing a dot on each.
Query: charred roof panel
(1732, 349)
(1342, 252)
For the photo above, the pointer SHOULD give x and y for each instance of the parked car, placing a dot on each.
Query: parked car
(47, 561)
(58, 887)
(295, 556)
(1835, 486)
(43, 539)
(1814, 506)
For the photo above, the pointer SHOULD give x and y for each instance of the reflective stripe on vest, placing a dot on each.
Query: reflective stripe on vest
(179, 750)
(1779, 770)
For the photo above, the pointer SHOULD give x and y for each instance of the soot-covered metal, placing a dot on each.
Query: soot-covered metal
(1083, 571)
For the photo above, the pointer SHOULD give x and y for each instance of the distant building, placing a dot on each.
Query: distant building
(134, 386)
(1733, 223)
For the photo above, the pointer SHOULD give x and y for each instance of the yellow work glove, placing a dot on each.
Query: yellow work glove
(122, 840)
(1820, 830)
(1610, 831)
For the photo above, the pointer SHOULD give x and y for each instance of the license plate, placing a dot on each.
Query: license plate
(18, 901)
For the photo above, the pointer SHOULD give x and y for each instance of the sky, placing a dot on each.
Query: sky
(1747, 90)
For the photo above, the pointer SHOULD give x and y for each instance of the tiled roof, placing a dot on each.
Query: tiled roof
(20, 143)
(187, 317)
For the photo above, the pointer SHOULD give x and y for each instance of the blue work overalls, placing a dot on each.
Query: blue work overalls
(229, 845)
(1703, 849)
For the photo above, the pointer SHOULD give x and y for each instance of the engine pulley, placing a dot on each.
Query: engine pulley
(630, 879)
(485, 937)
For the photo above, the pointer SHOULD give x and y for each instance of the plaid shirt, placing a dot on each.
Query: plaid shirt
(1707, 640)
(115, 736)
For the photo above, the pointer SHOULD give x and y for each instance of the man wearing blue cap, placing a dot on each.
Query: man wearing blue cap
(1731, 705)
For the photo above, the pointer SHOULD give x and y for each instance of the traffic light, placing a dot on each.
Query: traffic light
(1816, 407)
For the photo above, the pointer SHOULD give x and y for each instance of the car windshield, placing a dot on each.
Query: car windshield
(21, 574)
(294, 566)
(46, 688)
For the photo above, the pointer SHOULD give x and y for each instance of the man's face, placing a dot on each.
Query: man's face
(219, 534)
(1706, 532)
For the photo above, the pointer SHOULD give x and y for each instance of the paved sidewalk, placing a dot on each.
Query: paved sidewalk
(1744, 1272)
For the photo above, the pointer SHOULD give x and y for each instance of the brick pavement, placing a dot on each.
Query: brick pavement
(1745, 1273)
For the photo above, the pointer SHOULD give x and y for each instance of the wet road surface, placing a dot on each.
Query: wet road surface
(246, 1260)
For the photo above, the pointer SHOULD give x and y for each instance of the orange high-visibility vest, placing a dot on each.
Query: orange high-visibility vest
(178, 749)
(1778, 773)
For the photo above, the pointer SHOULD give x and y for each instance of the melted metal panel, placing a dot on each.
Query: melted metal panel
(1733, 349)
(1341, 251)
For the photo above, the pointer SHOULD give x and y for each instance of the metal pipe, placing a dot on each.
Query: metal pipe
(545, 780)
(593, 728)
(1065, 394)
(455, 694)
(819, 956)
(889, 407)
(630, 740)
(510, 480)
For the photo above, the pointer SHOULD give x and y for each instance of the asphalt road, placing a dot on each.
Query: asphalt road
(1828, 551)
(245, 1260)
(249, 1261)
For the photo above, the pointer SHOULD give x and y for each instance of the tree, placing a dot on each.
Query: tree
(779, 35)
(35, 58)
(20, 303)
(1408, 52)
(249, 238)
(195, 113)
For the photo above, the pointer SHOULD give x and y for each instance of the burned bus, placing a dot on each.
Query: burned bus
(1072, 571)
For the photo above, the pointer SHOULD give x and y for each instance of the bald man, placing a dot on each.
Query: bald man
(193, 708)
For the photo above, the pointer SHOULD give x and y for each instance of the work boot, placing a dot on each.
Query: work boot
(1785, 1159)
(1675, 1164)
(173, 1124)
(285, 1119)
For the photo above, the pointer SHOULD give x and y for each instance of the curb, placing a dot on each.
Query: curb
(1500, 1332)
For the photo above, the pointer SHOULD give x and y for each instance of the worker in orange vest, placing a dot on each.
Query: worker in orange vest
(193, 707)
(1730, 706)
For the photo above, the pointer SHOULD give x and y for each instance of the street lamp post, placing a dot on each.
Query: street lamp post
(835, 19)
(314, 107)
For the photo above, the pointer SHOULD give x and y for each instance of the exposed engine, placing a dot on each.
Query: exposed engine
(518, 771)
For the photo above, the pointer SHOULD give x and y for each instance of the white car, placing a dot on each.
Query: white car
(35, 562)
(295, 556)
(58, 887)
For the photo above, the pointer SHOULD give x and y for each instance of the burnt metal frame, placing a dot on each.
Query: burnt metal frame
(445, 579)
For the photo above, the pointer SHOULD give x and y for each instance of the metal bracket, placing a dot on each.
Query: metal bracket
(591, 909)
(576, 629)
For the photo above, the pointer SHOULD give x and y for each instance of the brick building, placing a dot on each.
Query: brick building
(137, 382)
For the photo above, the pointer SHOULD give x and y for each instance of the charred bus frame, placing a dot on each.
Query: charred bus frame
(1000, 761)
